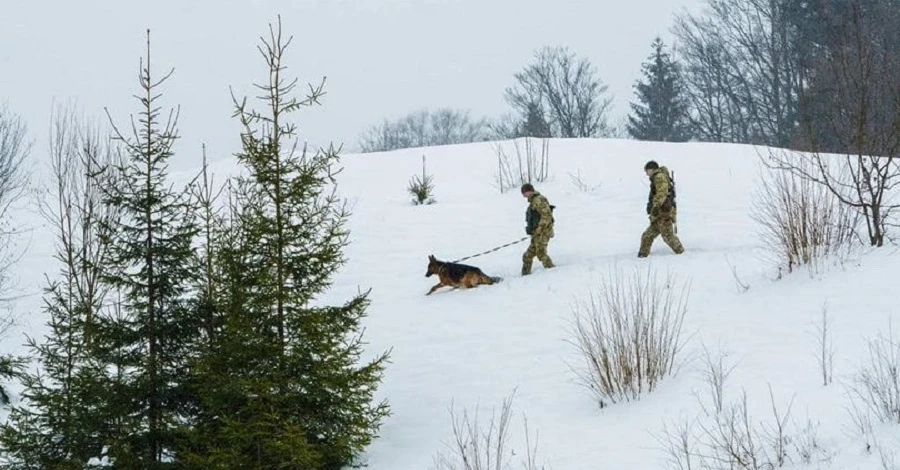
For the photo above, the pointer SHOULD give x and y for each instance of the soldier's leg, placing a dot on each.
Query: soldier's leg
(669, 236)
(647, 238)
(528, 257)
(541, 251)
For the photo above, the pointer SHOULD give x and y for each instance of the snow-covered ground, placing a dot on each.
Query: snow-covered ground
(473, 348)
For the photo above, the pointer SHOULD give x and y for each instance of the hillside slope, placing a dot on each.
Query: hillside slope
(473, 348)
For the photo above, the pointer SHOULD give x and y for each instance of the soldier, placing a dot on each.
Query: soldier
(662, 210)
(538, 224)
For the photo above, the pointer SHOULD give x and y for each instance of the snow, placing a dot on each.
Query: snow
(472, 348)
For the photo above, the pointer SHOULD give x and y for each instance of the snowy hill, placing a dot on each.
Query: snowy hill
(473, 348)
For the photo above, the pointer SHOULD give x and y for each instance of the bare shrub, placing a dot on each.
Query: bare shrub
(808, 446)
(629, 335)
(485, 448)
(580, 184)
(825, 347)
(726, 436)
(715, 373)
(527, 167)
(888, 456)
(422, 189)
(875, 388)
(800, 222)
(740, 285)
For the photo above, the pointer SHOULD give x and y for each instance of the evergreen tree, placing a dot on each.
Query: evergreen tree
(283, 387)
(662, 111)
(59, 426)
(535, 123)
(147, 340)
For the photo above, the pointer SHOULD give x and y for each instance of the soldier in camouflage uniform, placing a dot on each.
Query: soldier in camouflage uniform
(661, 209)
(539, 224)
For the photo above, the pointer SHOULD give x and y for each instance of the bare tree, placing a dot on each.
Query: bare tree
(863, 79)
(79, 153)
(14, 148)
(424, 128)
(568, 88)
(742, 70)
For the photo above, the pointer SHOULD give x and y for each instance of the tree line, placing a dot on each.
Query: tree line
(184, 325)
(783, 73)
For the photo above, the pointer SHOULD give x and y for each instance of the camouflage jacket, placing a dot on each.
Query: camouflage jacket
(539, 214)
(662, 192)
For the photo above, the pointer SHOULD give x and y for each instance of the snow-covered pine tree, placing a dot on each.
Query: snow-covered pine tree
(59, 425)
(284, 385)
(661, 113)
(147, 341)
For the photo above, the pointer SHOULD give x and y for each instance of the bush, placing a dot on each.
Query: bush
(726, 436)
(478, 448)
(629, 336)
(800, 221)
(875, 389)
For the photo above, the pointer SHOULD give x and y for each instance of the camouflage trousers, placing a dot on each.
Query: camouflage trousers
(661, 225)
(537, 249)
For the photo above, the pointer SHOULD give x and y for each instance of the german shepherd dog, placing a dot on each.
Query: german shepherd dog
(457, 275)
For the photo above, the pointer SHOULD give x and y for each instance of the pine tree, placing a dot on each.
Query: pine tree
(59, 426)
(662, 112)
(535, 123)
(147, 340)
(283, 387)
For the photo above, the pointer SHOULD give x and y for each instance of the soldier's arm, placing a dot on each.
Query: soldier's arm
(662, 189)
(543, 208)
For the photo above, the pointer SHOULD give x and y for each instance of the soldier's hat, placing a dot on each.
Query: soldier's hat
(527, 187)
(651, 165)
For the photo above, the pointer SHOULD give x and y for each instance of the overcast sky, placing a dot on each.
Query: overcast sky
(382, 58)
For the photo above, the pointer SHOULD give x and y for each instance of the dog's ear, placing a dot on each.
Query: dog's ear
(431, 258)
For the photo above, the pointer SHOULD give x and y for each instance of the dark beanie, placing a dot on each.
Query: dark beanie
(527, 187)
(651, 165)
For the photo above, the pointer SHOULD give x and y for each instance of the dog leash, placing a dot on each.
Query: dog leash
(492, 250)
